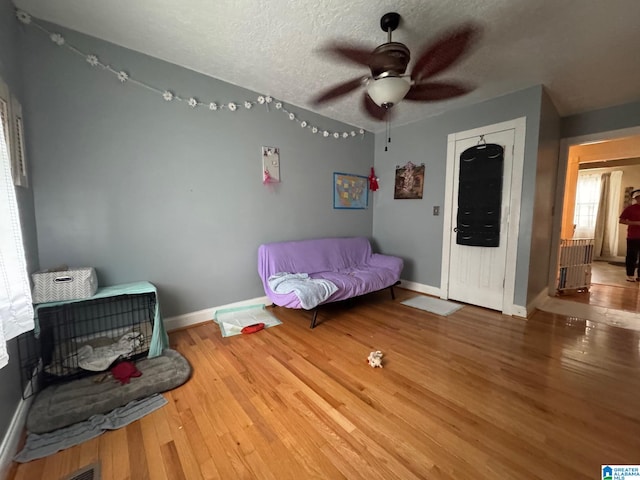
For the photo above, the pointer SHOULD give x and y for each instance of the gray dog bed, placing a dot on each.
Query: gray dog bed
(61, 405)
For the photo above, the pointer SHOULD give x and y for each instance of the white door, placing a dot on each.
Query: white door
(478, 275)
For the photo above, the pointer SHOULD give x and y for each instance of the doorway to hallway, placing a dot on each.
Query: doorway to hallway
(608, 288)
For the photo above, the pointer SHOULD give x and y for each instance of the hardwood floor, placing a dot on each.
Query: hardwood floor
(609, 296)
(471, 396)
(608, 289)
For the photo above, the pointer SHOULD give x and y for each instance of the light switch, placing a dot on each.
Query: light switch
(436, 210)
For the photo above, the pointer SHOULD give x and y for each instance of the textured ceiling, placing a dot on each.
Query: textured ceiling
(585, 52)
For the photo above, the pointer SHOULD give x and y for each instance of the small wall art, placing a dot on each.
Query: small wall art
(270, 165)
(350, 191)
(409, 181)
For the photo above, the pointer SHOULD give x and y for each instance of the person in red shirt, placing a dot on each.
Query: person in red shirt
(630, 216)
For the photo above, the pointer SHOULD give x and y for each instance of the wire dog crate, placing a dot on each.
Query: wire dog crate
(76, 339)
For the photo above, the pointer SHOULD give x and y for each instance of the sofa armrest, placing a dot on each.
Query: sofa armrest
(389, 262)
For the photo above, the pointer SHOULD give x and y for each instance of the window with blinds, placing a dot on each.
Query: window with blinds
(13, 127)
(587, 201)
(18, 158)
(5, 114)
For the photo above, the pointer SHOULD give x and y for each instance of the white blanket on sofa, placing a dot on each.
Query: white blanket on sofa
(310, 291)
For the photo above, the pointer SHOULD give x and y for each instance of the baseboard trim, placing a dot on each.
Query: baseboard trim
(517, 311)
(11, 440)
(539, 300)
(513, 310)
(201, 316)
(419, 287)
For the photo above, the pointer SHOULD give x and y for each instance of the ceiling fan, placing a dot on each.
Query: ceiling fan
(388, 84)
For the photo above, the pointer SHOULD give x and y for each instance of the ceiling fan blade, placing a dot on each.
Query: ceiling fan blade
(445, 51)
(353, 53)
(434, 91)
(374, 111)
(338, 90)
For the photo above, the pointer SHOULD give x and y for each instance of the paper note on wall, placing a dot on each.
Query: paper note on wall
(270, 164)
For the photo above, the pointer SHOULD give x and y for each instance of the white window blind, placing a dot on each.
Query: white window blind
(5, 115)
(16, 310)
(587, 199)
(19, 166)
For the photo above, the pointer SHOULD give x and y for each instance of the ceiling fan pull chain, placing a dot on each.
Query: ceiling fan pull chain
(388, 135)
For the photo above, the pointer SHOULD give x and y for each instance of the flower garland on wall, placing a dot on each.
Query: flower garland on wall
(168, 95)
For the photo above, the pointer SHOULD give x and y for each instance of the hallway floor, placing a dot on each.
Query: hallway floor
(604, 273)
(610, 299)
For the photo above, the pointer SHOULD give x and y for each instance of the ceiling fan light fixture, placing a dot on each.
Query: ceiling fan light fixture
(388, 91)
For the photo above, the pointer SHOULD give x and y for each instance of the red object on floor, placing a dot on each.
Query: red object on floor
(124, 371)
(253, 328)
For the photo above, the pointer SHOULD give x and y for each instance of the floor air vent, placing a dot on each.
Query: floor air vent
(90, 472)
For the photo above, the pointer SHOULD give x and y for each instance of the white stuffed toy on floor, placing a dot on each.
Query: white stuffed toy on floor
(375, 359)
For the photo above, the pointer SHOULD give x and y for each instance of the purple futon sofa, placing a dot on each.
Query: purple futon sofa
(347, 263)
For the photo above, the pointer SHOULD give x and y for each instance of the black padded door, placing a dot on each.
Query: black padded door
(480, 196)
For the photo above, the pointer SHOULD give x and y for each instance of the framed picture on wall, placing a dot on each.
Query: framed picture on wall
(350, 191)
(409, 181)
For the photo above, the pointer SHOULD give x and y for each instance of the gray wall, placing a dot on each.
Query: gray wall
(604, 120)
(144, 189)
(10, 393)
(543, 204)
(407, 227)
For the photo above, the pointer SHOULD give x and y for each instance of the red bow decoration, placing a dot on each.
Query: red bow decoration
(373, 181)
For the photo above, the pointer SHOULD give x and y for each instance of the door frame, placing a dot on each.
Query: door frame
(563, 159)
(513, 220)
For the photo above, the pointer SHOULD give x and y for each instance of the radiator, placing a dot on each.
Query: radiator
(576, 256)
